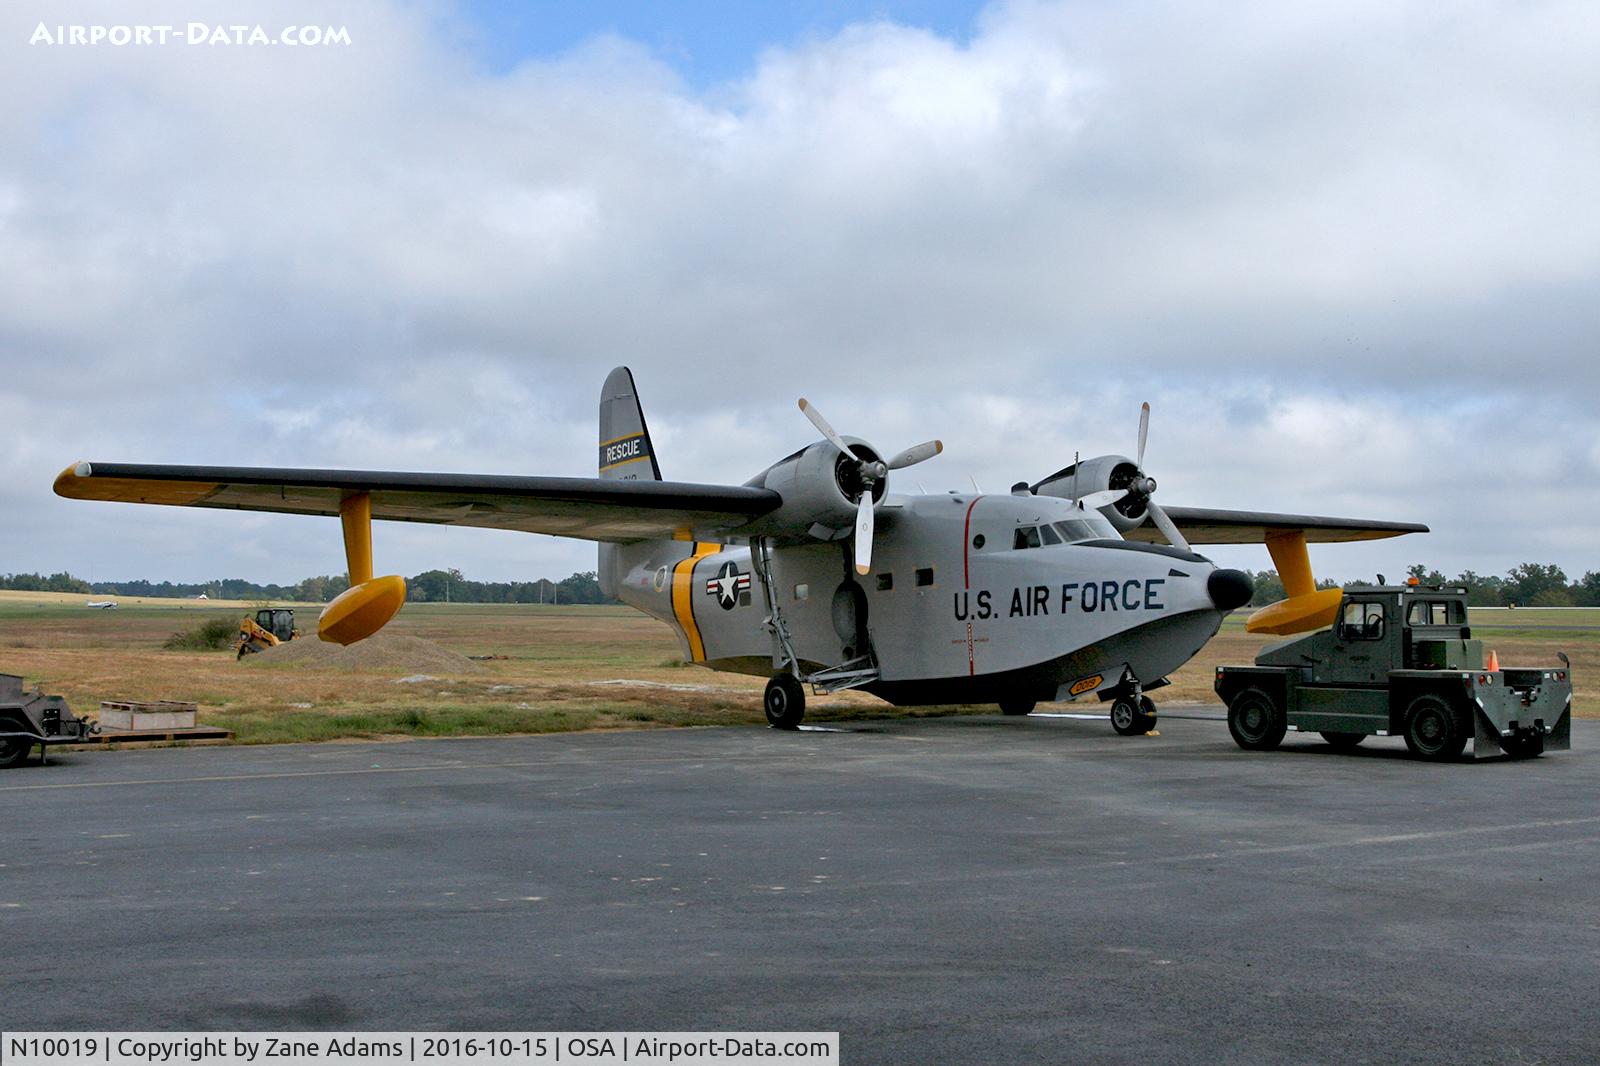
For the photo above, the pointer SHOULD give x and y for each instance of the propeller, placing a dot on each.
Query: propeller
(871, 471)
(1143, 487)
(1095, 500)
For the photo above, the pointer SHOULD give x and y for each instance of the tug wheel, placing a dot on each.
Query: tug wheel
(1256, 721)
(1343, 741)
(784, 702)
(13, 750)
(1132, 719)
(1017, 707)
(1433, 729)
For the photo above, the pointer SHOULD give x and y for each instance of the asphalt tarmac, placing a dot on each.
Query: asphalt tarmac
(956, 890)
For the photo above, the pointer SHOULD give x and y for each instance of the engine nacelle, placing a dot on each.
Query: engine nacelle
(1100, 473)
(821, 489)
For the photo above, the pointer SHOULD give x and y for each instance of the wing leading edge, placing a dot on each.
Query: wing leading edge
(1207, 525)
(584, 508)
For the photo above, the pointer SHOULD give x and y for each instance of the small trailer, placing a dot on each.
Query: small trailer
(29, 718)
(1399, 661)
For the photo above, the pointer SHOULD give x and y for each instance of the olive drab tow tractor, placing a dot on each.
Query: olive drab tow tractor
(1399, 661)
(816, 574)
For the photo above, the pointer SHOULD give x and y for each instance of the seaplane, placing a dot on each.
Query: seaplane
(815, 575)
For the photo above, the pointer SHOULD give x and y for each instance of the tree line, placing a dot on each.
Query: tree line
(1524, 585)
(430, 586)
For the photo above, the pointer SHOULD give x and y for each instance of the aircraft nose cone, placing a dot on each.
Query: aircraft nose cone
(1230, 588)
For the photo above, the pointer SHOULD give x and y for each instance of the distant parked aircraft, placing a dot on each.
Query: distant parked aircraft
(102, 605)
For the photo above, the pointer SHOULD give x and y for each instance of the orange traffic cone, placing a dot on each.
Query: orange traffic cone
(1493, 665)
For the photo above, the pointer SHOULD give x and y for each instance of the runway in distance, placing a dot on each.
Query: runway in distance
(815, 575)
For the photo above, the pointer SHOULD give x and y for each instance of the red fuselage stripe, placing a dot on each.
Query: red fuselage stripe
(966, 545)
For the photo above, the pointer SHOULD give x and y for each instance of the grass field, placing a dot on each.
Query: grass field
(565, 668)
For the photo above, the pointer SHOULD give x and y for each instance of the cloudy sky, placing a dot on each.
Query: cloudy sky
(1350, 252)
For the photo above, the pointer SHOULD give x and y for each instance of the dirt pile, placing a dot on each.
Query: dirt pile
(385, 651)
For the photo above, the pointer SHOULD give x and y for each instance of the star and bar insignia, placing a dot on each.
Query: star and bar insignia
(727, 586)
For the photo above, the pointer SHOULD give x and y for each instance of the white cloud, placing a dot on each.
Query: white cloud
(1350, 251)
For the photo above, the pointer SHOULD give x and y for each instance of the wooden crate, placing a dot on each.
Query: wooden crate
(160, 714)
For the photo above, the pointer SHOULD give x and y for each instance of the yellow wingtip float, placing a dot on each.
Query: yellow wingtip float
(368, 604)
(1307, 607)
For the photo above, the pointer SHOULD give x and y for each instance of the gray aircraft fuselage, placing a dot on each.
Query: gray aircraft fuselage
(959, 606)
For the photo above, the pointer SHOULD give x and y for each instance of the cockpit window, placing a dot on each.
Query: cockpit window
(1089, 527)
(1067, 531)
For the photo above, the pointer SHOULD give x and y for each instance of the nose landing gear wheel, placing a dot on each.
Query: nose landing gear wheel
(784, 702)
(1133, 719)
(1016, 707)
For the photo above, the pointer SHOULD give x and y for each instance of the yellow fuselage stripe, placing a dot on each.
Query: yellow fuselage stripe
(683, 598)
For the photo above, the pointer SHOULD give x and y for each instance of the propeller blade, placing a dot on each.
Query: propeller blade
(1144, 431)
(1096, 500)
(916, 454)
(823, 427)
(1166, 525)
(864, 535)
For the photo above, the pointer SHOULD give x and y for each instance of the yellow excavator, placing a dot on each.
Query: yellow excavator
(270, 627)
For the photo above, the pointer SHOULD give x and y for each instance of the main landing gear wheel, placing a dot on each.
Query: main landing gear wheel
(1132, 719)
(13, 750)
(785, 702)
(1017, 707)
(1256, 721)
(1433, 729)
(1343, 741)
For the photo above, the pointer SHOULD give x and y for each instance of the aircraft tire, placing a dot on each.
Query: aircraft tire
(784, 702)
(1433, 729)
(1256, 721)
(1017, 707)
(1343, 741)
(14, 751)
(1129, 719)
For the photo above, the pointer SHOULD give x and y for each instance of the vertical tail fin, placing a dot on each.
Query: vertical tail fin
(626, 454)
(625, 450)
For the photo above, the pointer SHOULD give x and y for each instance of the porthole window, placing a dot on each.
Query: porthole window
(885, 582)
(801, 591)
(977, 542)
(925, 577)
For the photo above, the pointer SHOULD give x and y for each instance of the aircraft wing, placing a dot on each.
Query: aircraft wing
(585, 508)
(1207, 525)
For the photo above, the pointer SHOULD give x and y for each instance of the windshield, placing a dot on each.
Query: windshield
(1069, 531)
(1089, 527)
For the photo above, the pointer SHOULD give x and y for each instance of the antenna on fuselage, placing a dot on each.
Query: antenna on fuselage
(975, 487)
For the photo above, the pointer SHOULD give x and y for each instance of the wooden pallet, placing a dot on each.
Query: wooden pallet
(201, 734)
